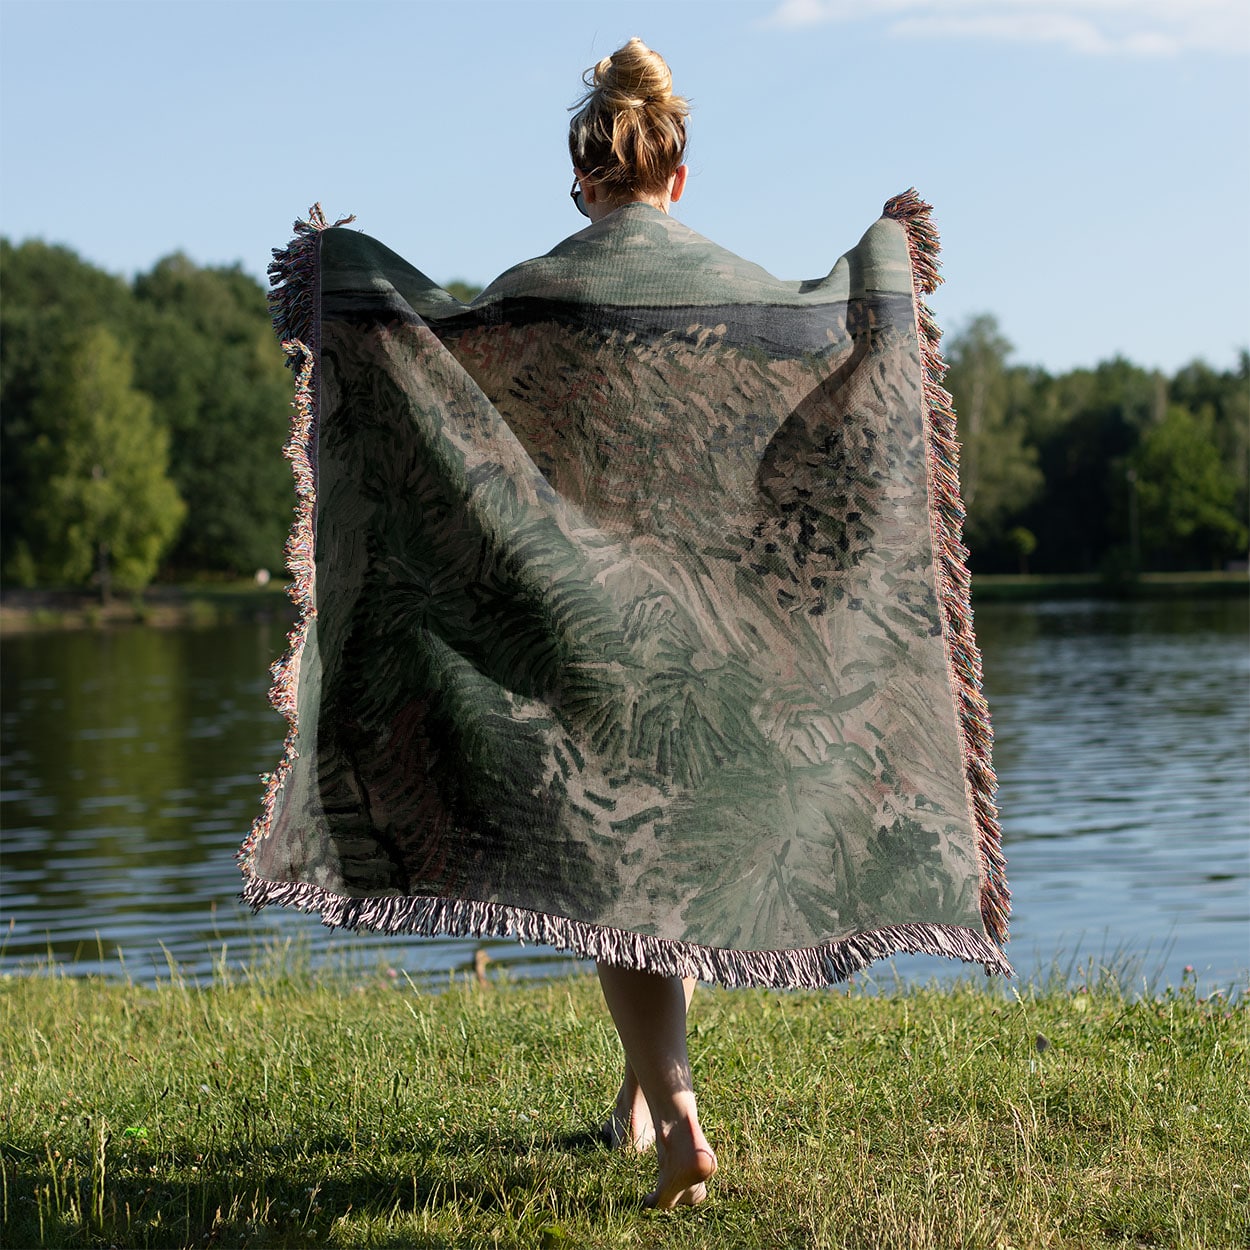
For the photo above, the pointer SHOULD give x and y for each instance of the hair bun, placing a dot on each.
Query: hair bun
(629, 130)
(633, 77)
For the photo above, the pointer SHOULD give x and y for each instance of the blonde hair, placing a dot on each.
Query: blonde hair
(629, 131)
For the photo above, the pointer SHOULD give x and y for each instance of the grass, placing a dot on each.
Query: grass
(284, 1108)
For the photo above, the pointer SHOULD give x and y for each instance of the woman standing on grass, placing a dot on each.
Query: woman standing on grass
(635, 618)
(628, 144)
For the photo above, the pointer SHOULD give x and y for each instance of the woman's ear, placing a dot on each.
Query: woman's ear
(678, 185)
(589, 187)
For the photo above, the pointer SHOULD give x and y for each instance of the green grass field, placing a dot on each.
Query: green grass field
(285, 1108)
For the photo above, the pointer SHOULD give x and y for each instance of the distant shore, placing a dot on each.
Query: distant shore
(1011, 587)
(163, 606)
(221, 603)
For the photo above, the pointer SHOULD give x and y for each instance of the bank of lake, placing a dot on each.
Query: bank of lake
(229, 602)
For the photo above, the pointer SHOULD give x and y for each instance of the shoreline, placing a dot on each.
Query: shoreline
(174, 606)
(1036, 587)
(203, 605)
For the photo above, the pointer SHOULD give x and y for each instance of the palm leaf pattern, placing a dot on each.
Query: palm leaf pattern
(626, 614)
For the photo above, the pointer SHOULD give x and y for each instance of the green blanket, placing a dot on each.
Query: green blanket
(635, 617)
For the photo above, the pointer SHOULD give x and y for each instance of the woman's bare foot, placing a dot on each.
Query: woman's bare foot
(629, 1126)
(649, 1011)
(686, 1165)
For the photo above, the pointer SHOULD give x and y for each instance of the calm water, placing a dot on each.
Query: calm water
(1123, 748)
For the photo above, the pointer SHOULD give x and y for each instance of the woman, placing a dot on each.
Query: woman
(628, 144)
(635, 615)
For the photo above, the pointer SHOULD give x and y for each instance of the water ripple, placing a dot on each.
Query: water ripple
(131, 765)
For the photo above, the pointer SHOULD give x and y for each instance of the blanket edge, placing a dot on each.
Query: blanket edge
(954, 582)
(812, 967)
(294, 304)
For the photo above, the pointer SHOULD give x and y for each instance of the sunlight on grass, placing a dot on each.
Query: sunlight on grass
(283, 1107)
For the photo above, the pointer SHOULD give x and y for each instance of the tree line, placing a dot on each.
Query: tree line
(140, 425)
(140, 422)
(1114, 470)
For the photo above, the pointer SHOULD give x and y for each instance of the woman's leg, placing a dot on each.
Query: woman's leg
(629, 1127)
(649, 1012)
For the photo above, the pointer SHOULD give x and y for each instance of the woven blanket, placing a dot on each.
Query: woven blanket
(634, 615)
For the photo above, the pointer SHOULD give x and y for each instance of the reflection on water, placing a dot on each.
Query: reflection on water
(131, 758)
(131, 764)
(1123, 752)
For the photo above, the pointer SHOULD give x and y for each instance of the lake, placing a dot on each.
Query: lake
(131, 760)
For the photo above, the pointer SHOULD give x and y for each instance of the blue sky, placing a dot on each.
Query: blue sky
(1089, 160)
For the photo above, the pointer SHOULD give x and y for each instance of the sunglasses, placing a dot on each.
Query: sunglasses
(576, 196)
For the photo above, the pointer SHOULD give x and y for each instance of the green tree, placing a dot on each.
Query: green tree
(1024, 543)
(102, 505)
(1223, 398)
(207, 356)
(1086, 424)
(465, 292)
(1187, 493)
(50, 297)
(997, 467)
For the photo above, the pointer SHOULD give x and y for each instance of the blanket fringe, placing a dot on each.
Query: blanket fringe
(954, 583)
(809, 968)
(294, 276)
(294, 305)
